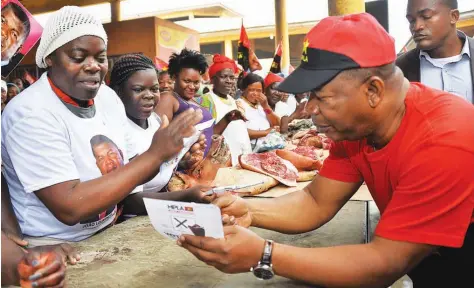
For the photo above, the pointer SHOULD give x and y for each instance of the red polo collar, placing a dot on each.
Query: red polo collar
(66, 98)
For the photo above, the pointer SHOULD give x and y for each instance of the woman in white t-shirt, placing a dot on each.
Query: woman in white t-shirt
(261, 118)
(64, 147)
(135, 80)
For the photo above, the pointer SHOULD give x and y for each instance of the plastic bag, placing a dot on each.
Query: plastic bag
(272, 141)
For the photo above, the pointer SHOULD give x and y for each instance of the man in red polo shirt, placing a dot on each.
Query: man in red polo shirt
(412, 145)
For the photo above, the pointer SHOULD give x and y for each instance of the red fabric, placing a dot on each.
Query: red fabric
(271, 78)
(244, 39)
(221, 62)
(66, 98)
(357, 36)
(160, 64)
(422, 181)
(29, 78)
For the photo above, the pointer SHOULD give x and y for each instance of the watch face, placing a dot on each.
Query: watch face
(263, 272)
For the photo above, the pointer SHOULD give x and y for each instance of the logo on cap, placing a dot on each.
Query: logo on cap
(304, 56)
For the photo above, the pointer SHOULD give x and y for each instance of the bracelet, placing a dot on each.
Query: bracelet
(268, 111)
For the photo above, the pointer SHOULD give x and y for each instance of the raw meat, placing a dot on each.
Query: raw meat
(205, 171)
(270, 164)
(303, 158)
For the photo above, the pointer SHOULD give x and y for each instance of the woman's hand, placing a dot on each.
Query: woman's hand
(262, 99)
(194, 155)
(168, 140)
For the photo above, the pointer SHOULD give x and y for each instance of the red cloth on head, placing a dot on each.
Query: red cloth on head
(271, 78)
(221, 62)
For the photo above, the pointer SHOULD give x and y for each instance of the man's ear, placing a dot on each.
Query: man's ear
(374, 89)
(454, 16)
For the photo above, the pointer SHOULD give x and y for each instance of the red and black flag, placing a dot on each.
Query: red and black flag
(243, 49)
(160, 64)
(276, 64)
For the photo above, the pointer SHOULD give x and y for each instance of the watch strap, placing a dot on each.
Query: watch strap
(267, 252)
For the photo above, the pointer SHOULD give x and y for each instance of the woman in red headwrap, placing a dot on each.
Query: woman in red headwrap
(223, 107)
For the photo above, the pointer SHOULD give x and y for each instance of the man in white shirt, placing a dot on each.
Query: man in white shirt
(443, 56)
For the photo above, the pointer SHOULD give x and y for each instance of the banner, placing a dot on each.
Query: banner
(20, 32)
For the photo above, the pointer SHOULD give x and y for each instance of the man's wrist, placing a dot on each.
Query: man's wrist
(251, 212)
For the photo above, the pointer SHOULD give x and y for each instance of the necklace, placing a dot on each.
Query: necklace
(254, 106)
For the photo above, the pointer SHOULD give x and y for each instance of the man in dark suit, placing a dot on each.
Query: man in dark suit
(443, 58)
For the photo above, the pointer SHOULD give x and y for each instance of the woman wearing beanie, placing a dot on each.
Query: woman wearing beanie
(135, 80)
(64, 149)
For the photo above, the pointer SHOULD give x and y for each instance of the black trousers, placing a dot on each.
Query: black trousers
(451, 267)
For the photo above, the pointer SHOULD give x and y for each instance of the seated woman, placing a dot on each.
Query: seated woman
(64, 147)
(186, 69)
(261, 118)
(134, 79)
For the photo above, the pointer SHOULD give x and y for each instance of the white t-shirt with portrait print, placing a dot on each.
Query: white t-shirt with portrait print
(143, 139)
(44, 143)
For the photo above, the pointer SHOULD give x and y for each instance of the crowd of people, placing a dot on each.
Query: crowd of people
(79, 156)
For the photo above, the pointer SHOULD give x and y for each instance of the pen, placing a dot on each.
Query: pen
(220, 190)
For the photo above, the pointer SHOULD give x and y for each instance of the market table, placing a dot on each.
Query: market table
(363, 195)
(133, 254)
(232, 176)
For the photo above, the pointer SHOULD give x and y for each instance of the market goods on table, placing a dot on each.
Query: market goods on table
(303, 157)
(270, 164)
(205, 171)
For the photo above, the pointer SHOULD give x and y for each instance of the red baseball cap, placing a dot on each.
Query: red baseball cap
(339, 43)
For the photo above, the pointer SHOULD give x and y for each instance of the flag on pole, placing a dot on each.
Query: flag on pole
(243, 49)
(276, 64)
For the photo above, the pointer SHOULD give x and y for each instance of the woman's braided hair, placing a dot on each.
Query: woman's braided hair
(187, 59)
(126, 66)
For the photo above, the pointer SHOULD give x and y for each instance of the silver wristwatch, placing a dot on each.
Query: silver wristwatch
(264, 270)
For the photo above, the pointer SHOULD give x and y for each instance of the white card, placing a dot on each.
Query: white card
(172, 218)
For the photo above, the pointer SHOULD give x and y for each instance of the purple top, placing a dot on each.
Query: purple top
(206, 116)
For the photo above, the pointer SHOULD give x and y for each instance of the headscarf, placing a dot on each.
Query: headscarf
(221, 62)
(272, 78)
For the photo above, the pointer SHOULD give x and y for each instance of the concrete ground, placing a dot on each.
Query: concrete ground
(133, 254)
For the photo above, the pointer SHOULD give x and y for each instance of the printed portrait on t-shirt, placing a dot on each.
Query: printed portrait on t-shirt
(108, 157)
